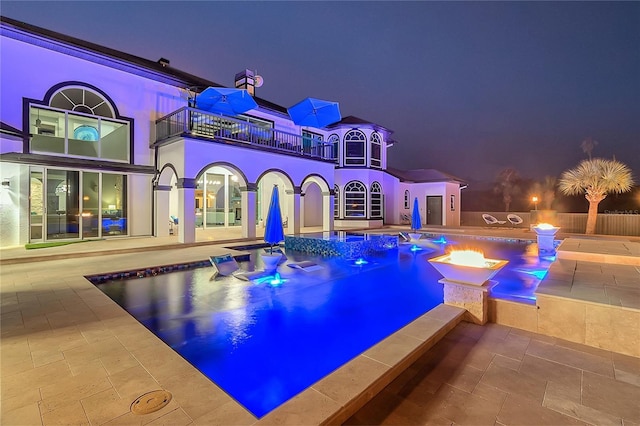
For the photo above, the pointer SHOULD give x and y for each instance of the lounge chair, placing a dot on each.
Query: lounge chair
(514, 219)
(491, 220)
(405, 218)
(305, 265)
(226, 265)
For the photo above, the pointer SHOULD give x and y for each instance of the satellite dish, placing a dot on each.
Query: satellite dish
(258, 81)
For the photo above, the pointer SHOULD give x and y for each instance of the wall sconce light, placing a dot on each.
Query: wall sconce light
(6, 182)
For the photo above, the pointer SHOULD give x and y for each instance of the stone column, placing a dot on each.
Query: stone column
(328, 204)
(161, 194)
(471, 297)
(294, 211)
(248, 204)
(187, 209)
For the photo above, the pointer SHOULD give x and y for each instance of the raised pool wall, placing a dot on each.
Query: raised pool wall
(349, 248)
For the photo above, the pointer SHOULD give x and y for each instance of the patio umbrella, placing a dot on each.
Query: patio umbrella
(273, 230)
(416, 221)
(225, 101)
(315, 112)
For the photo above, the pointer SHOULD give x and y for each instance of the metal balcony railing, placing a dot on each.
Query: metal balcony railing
(190, 121)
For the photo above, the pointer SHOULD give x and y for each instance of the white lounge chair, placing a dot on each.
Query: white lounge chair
(514, 219)
(491, 220)
(224, 265)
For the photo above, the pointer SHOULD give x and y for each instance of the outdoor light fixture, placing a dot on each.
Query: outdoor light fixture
(535, 202)
(6, 182)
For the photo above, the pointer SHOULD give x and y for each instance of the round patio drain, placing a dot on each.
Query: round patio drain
(150, 402)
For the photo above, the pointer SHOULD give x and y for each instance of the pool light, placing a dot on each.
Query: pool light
(360, 261)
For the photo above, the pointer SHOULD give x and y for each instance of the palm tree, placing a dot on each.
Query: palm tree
(507, 184)
(548, 191)
(587, 146)
(595, 178)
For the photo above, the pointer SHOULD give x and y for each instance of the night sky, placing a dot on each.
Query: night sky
(468, 88)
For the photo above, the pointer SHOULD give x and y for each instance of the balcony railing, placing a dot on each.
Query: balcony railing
(190, 121)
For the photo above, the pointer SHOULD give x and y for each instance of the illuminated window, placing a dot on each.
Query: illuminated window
(406, 199)
(354, 148)
(376, 150)
(78, 122)
(355, 199)
(376, 200)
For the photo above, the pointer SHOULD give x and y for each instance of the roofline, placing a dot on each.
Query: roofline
(112, 58)
(450, 179)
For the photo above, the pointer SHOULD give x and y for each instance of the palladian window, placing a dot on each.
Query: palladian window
(79, 123)
(355, 199)
(334, 142)
(354, 147)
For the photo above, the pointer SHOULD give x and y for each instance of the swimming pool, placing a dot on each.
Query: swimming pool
(262, 343)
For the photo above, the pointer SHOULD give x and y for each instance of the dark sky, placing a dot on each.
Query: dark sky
(468, 88)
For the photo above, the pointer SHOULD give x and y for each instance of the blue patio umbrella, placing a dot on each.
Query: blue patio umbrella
(225, 101)
(416, 221)
(273, 229)
(315, 112)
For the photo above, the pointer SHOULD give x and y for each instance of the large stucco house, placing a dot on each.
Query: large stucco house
(97, 143)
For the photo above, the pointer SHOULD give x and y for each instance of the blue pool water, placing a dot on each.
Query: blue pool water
(265, 343)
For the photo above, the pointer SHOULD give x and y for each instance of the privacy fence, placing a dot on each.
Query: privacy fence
(627, 223)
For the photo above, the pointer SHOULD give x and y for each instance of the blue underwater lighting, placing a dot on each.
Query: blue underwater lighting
(415, 248)
(360, 261)
(441, 240)
(276, 280)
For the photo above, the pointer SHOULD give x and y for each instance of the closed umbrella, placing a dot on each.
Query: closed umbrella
(273, 230)
(315, 112)
(225, 101)
(416, 221)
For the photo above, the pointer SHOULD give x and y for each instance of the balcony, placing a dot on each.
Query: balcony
(190, 122)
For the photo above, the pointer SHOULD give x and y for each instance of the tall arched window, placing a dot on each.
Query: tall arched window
(406, 199)
(376, 150)
(376, 200)
(355, 199)
(334, 142)
(336, 202)
(354, 148)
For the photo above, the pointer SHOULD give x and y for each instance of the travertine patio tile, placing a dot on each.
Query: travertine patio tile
(129, 418)
(463, 408)
(28, 397)
(34, 378)
(133, 382)
(570, 357)
(513, 382)
(104, 406)
(611, 396)
(627, 363)
(520, 411)
(69, 414)
(490, 393)
(27, 415)
(176, 417)
(506, 362)
(465, 378)
(196, 394)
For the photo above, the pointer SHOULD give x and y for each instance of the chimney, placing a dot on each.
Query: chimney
(246, 80)
(164, 62)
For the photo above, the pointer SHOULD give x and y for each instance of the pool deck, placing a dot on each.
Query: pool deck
(70, 355)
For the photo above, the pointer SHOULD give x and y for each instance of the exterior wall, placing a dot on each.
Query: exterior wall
(14, 224)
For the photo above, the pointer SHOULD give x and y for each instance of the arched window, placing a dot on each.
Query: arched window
(355, 199)
(376, 150)
(79, 122)
(80, 99)
(336, 202)
(334, 142)
(354, 148)
(376, 200)
(406, 199)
